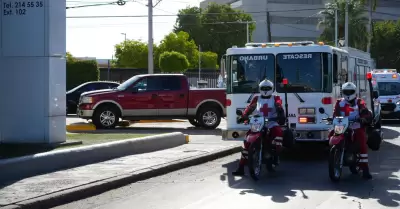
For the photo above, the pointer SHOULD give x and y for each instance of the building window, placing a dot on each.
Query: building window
(297, 1)
(236, 4)
(294, 20)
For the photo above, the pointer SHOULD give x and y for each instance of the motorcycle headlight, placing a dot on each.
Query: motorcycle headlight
(339, 129)
(86, 100)
(256, 127)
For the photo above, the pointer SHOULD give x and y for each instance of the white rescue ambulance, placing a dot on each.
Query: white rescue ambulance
(315, 73)
(387, 82)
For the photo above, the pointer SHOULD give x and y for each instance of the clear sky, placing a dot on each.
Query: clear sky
(96, 37)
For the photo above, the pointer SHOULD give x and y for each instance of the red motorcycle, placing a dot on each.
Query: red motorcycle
(345, 150)
(261, 150)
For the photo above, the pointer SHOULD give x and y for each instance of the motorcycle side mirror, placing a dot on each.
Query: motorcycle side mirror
(284, 81)
(239, 112)
(321, 110)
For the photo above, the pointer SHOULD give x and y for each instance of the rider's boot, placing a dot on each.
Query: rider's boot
(239, 171)
(366, 173)
(276, 160)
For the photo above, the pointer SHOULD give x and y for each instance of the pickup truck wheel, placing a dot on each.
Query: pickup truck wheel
(194, 122)
(209, 118)
(105, 118)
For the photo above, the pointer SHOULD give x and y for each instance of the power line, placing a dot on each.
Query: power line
(119, 3)
(173, 15)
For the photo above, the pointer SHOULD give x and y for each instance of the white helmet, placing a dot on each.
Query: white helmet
(266, 88)
(349, 91)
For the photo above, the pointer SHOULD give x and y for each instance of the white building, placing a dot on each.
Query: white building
(295, 20)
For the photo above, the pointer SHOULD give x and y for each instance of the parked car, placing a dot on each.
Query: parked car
(154, 96)
(74, 94)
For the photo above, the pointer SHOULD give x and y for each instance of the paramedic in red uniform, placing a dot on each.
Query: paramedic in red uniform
(271, 107)
(355, 107)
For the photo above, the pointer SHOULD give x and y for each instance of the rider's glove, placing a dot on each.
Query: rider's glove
(364, 120)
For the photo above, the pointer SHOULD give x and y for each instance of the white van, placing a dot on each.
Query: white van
(387, 82)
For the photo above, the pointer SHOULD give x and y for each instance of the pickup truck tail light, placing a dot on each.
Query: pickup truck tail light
(228, 102)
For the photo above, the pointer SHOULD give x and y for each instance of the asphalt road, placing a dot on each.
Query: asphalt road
(301, 182)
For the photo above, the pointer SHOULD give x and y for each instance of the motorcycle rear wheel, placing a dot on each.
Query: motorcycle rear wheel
(253, 161)
(335, 171)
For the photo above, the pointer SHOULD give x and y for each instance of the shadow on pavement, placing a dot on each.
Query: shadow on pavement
(390, 133)
(294, 179)
(157, 130)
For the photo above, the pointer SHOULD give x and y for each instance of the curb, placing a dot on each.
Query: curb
(20, 167)
(90, 127)
(92, 189)
(80, 127)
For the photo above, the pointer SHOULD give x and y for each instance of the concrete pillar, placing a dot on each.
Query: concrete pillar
(32, 71)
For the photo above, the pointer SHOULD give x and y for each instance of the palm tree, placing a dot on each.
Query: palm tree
(358, 34)
(371, 7)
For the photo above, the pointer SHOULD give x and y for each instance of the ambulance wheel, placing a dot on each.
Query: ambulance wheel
(354, 169)
(378, 124)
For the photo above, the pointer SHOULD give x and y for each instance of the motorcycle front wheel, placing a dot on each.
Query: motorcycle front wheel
(335, 170)
(254, 162)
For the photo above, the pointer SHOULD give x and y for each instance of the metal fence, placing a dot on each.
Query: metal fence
(210, 76)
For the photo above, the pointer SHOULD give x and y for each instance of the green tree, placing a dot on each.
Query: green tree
(81, 71)
(385, 44)
(358, 35)
(208, 60)
(69, 57)
(179, 42)
(131, 54)
(173, 62)
(216, 28)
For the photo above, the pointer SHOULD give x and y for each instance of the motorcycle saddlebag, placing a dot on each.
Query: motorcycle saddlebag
(288, 140)
(375, 138)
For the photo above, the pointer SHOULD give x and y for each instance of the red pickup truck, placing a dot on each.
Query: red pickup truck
(153, 96)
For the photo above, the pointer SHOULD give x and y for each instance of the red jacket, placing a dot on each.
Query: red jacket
(362, 108)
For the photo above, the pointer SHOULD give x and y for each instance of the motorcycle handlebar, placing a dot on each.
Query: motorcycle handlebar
(330, 119)
(242, 119)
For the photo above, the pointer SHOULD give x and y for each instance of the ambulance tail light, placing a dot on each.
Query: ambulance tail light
(304, 120)
(326, 100)
(228, 102)
(369, 76)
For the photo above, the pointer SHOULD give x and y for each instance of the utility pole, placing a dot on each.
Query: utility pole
(150, 41)
(269, 28)
(336, 26)
(269, 39)
(199, 62)
(369, 25)
(346, 23)
(247, 32)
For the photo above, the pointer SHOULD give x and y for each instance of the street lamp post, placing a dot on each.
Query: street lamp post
(125, 37)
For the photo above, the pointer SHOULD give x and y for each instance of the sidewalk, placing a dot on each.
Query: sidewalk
(46, 186)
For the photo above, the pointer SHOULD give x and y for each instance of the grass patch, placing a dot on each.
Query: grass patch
(18, 150)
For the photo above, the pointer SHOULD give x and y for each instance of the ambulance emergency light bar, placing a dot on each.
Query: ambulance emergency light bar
(296, 43)
(384, 71)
